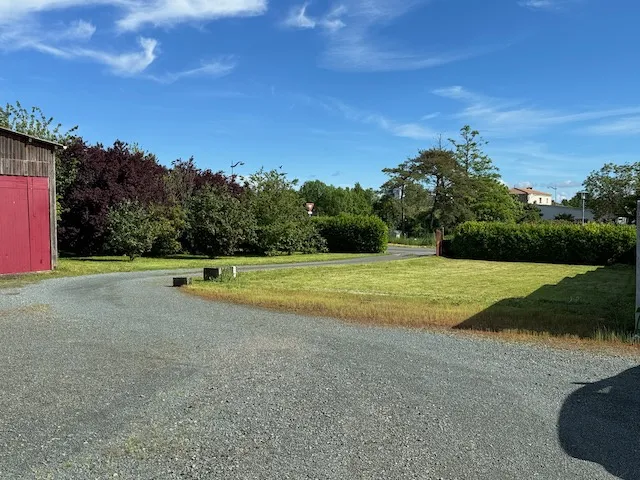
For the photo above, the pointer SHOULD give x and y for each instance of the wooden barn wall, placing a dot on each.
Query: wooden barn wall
(20, 157)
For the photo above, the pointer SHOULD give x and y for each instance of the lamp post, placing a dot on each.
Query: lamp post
(234, 165)
(584, 196)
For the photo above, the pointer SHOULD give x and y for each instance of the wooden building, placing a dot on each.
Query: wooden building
(28, 240)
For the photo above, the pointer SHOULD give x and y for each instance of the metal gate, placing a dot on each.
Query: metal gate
(25, 242)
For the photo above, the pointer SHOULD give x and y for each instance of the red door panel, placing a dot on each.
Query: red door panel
(15, 254)
(39, 238)
(24, 224)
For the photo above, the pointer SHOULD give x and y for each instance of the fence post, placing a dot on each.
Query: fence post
(637, 268)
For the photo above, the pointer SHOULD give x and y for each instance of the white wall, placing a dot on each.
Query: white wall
(540, 199)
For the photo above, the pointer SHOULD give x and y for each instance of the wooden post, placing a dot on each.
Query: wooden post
(637, 268)
(439, 239)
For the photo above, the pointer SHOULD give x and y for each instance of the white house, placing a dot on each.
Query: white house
(531, 196)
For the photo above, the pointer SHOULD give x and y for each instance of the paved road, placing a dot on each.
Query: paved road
(121, 375)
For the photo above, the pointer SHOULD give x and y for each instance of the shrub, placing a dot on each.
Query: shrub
(591, 244)
(290, 237)
(353, 233)
(218, 223)
(282, 223)
(169, 224)
(130, 230)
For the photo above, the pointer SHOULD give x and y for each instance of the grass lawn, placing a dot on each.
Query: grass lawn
(517, 299)
(68, 267)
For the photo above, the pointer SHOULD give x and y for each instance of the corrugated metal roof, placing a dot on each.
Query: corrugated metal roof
(549, 212)
(30, 137)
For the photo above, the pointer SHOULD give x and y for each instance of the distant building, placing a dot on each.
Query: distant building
(531, 196)
(550, 212)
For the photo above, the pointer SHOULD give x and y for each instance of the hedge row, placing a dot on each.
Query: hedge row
(353, 233)
(591, 244)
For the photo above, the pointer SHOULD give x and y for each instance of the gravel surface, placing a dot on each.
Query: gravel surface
(121, 376)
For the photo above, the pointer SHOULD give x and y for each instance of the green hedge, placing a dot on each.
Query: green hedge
(591, 244)
(353, 233)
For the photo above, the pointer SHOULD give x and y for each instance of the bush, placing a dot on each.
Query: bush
(591, 244)
(289, 237)
(353, 233)
(218, 223)
(169, 224)
(130, 230)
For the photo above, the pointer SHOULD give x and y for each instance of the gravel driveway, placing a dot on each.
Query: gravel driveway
(121, 376)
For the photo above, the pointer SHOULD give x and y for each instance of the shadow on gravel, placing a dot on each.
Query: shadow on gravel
(600, 423)
(601, 300)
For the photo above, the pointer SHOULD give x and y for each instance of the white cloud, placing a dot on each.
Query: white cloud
(14, 10)
(622, 126)
(216, 68)
(565, 184)
(351, 37)
(538, 4)
(430, 116)
(124, 64)
(414, 131)
(71, 42)
(298, 18)
(138, 13)
(171, 12)
(78, 30)
(546, 4)
(500, 117)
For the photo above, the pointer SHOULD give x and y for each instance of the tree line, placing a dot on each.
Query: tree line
(119, 199)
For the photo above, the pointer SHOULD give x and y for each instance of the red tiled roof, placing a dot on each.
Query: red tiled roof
(527, 191)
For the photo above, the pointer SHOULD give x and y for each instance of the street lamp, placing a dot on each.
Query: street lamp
(584, 197)
(234, 165)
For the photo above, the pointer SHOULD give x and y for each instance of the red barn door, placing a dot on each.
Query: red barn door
(39, 236)
(24, 224)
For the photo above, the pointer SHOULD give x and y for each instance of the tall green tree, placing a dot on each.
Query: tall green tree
(470, 156)
(489, 199)
(281, 217)
(575, 201)
(396, 187)
(438, 171)
(613, 190)
(330, 200)
(219, 222)
(492, 202)
(34, 122)
(130, 229)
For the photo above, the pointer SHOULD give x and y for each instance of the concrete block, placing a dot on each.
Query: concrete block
(214, 273)
(181, 281)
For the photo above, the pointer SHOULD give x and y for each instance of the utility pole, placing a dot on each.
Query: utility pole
(637, 313)
(555, 190)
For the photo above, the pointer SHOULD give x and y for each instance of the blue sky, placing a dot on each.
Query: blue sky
(336, 90)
